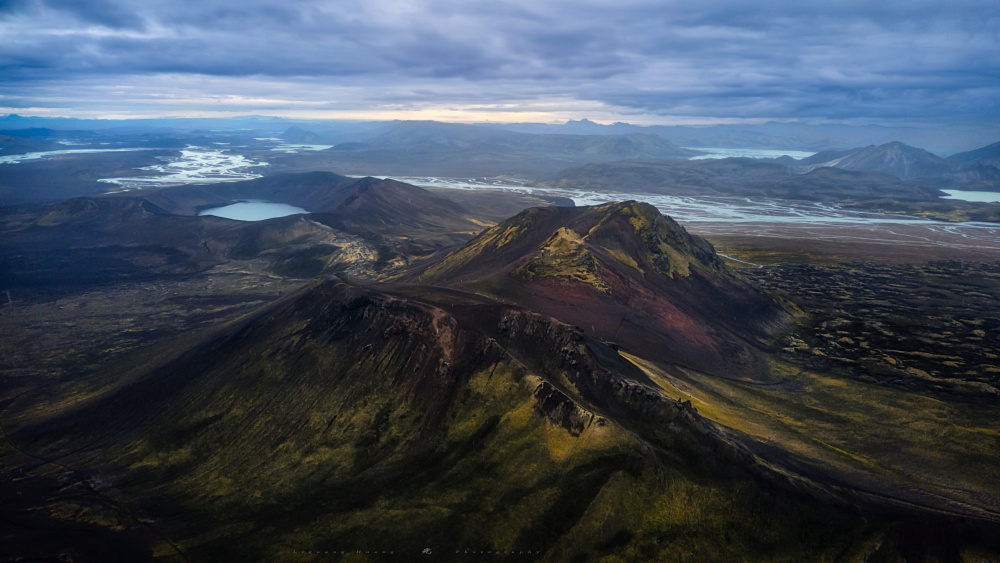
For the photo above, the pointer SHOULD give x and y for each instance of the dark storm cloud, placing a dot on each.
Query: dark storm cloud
(98, 12)
(712, 59)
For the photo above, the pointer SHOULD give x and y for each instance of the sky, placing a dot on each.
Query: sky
(643, 62)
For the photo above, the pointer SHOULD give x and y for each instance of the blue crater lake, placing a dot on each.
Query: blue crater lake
(253, 210)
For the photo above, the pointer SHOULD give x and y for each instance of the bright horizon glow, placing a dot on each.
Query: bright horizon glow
(444, 116)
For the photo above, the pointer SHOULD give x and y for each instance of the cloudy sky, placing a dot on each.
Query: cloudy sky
(644, 62)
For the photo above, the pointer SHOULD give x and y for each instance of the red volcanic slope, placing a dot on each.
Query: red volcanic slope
(624, 273)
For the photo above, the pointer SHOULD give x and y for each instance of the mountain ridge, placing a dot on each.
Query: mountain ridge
(363, 226)
(895, 158)
(451, 149)
(989, 154)
(430, 393)
(624, 272)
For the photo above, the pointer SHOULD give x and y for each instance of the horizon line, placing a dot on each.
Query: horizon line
(709, 122)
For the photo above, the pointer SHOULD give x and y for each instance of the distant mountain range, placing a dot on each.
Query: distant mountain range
(444, 149)
(893, 170)
(430, 148)
(788, 136)
(621, 158)
(945, 139)
(973, 170)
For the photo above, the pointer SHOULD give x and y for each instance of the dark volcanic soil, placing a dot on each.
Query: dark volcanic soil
(829, 243)
(62, 332)
(933, 327)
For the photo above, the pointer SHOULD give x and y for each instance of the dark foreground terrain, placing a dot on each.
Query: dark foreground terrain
(929, 327)
(589, 384)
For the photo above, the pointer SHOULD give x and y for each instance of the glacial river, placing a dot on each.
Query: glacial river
(195, 165)
(784, 219)
(687, 209)
(705, 215)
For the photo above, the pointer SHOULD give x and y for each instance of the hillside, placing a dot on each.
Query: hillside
(363, 227)
(896, 159)
(572, 384)
(312, 191)
(342, 418)
(626, 274)
(989, 154)
(388, 207)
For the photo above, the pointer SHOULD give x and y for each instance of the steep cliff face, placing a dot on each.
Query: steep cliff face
(624, 273)
(396, 364)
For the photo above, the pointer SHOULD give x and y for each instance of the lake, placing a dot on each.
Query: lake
(253, 210)
(718, 152)
(981, 197)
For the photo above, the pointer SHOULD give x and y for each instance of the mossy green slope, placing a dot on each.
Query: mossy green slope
(345, 419)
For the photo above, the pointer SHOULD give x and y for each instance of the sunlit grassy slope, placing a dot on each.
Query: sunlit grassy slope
(882, 441)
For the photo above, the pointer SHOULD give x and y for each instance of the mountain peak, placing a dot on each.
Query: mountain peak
(564, 255)
(626, 273)
(895, 158)
(570, 243)
(665, 245)
(296, 134)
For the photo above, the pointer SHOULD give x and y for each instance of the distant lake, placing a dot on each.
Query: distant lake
(715, 152)
(253, 210)
(982, 197)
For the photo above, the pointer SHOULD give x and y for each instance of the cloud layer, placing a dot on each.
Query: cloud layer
(640, 61)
